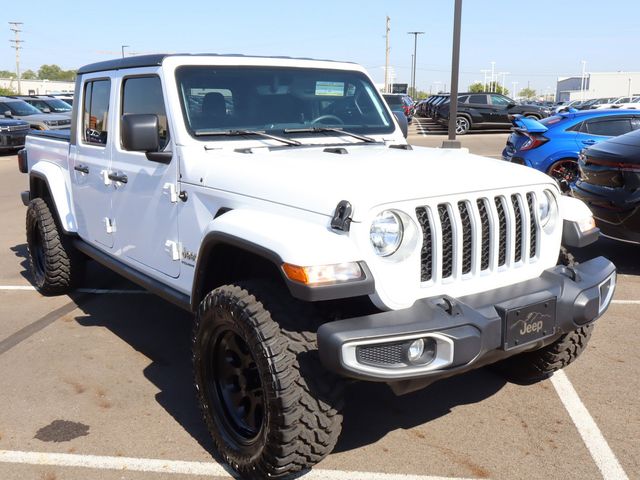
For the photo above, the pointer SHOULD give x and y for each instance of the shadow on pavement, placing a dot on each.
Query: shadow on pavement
(625, 256)
(367, 421)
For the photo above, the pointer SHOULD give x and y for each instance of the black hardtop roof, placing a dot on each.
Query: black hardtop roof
(157, 59)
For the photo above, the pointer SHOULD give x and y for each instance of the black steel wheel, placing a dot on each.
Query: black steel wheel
(55, 265)
(270, 406)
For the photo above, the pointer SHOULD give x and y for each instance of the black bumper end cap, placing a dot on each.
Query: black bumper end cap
(573, 237)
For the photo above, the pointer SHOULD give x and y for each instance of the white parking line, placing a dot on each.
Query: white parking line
(79, 290)
(626, 302)
(179, 467)
(602, 454)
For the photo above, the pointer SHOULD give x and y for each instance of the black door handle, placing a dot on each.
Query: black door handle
(81, 168)
(118, 177)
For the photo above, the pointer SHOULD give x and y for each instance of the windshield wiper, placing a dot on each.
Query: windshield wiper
(330, 129)
(238, 133)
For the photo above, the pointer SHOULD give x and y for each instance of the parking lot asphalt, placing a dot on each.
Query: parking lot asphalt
(98, 385)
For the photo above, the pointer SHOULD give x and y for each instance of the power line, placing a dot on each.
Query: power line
(15, 27)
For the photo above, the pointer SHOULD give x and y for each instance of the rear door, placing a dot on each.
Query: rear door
(499, 110)
(90, 160)
(145, 202)
(479, 103)
(601, 128)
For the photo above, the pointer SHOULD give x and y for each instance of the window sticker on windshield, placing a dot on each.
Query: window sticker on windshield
(330, 89)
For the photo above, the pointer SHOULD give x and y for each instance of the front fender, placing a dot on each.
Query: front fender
(293, 240)
(58, 184)
(280, 239)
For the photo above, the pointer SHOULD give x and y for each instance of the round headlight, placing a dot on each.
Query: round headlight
(546, 207)
(386, 233)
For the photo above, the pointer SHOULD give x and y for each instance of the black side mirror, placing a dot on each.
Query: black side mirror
(511, 105)
(8, 114)
(402, 121)
(140, 133)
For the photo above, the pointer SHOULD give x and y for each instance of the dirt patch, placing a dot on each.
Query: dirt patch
(77, 386)
(48, 476)
(62, 431)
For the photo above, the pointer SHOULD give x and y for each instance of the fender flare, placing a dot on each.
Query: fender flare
(57, 184)
(242, 229)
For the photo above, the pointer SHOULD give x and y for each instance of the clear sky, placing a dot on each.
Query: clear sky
(536, 41)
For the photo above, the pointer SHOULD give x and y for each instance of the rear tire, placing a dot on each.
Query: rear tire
(255, 350)
(55, 265)
(565, 172)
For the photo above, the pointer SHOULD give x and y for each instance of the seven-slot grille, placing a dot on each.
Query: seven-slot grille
(488, 233)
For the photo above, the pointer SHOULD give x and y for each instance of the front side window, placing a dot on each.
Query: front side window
(95, 120)
(610, 128)
(143, 95)
(278, 99)
(57, 106)
(499, 100)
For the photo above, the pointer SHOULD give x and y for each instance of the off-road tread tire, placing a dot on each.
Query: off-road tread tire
(304, 399)
(533, 366)
(62, 263)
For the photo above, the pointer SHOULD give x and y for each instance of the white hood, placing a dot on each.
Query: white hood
(368, 175)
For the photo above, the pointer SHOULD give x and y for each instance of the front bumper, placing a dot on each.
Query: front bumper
(468, 332)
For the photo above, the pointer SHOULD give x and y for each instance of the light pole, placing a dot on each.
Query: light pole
(413, 67)
(122, 47)
(455, 67)
(493, 67)
(485, 86)
(504, 80)
(515, 84)
(583, 80)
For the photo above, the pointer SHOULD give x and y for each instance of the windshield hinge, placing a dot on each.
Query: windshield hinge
(342, 216)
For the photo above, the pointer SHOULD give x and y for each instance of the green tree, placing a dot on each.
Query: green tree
(29, 75)
(6, 91)
(6, 74)
(54, 72)
(527, 92)
(491, 87)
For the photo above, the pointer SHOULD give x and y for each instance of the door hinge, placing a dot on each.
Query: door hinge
(170, 189)
(109, 225)
(173, 249)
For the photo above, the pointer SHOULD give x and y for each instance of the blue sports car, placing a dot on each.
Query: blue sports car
(552, 145)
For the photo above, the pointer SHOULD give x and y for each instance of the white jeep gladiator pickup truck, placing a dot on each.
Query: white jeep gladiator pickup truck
(278, 200)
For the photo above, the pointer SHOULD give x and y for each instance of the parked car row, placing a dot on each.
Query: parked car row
(478, 110)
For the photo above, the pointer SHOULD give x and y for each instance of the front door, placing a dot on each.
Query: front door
(90, 161)
(145, 203)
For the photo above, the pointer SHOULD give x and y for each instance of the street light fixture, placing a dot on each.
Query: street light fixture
(122, 47)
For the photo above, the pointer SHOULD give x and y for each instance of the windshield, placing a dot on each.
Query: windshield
(21, 108)
(393, 100)
(277, 99)
(58, 105)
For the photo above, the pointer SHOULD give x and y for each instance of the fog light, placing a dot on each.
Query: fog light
(421, 351)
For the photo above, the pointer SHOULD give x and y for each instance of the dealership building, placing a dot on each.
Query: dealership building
(37, 87)
(598, 85)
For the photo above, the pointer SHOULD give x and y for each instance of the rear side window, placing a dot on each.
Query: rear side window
(95, 120)
(499, 100)
(478, 99)
(609, 128)
(144, 95)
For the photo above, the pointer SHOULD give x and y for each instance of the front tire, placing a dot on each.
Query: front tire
(271, 408)
(55, 265)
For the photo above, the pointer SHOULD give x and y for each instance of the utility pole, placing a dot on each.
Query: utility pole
(413, 67)
(16, 28)
(451, 142)
(386, 61)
